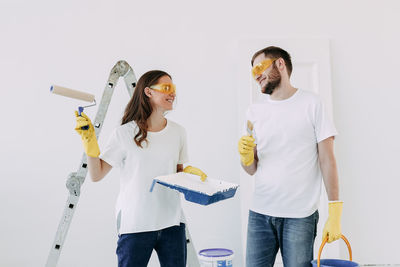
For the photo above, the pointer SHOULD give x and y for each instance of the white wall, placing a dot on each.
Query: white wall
(75, 44)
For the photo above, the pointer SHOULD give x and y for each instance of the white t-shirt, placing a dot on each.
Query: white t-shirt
(288, 177)
(138, 209)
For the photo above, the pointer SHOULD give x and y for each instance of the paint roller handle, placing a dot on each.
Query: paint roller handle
(80, 110)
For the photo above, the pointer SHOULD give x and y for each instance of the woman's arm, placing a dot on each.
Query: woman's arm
(98, 168)
(179, 167)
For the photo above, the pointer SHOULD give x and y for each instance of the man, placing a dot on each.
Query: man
(289, 146)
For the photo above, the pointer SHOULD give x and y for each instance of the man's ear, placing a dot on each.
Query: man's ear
(280, 62)
(148, 92)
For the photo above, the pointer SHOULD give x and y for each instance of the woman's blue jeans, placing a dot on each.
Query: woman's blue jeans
(293, 236)
(134, 250)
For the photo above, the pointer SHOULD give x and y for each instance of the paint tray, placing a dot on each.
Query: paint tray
(194, 190)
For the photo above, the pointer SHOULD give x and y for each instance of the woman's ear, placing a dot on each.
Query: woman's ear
(147, 92)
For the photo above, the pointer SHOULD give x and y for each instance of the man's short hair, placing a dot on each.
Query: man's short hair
(275, 52)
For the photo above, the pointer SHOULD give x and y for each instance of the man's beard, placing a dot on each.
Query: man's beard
(274, 80)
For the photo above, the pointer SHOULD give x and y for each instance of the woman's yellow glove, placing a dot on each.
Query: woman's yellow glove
(246, 149)
(333, 229)
(195, 171)
(88, 136)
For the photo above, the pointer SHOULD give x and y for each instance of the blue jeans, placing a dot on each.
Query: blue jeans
(134, 250)
(293, 236)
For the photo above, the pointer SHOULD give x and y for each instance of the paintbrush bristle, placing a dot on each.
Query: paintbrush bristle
(250, 125)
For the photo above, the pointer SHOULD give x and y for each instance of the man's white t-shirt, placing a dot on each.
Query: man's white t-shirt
(138, 209)
(288, 177)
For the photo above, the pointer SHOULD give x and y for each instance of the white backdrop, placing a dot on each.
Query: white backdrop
(75, 44)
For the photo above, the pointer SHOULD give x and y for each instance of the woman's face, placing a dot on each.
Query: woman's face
(161, 100)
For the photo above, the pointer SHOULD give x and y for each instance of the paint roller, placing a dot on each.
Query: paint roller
(59, 90)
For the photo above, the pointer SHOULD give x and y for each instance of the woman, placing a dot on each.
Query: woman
(144, 146)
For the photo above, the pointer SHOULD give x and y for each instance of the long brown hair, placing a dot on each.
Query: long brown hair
(139, 108)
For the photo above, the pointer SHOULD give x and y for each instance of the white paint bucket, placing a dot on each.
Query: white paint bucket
(216, 257)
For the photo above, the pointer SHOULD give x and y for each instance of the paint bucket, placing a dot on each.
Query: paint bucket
(332, 262)
(216, 257)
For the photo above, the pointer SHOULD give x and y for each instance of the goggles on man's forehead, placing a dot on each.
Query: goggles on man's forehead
(165, 88)
(262, 66)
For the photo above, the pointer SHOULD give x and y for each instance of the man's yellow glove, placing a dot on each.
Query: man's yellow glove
(333, 227)
(88, 136)
(196, 171)
(246, 149)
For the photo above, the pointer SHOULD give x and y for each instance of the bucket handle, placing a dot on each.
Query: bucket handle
(324, 242)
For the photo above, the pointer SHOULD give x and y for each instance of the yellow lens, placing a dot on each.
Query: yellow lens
(262, 66)
(166, 88)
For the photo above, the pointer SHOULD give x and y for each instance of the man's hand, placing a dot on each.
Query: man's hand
(246, 149)
(333, 229)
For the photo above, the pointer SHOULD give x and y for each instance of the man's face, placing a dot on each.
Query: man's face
(270, 78)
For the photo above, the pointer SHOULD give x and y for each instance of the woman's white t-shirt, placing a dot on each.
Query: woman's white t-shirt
(288, 177)
(138, 209)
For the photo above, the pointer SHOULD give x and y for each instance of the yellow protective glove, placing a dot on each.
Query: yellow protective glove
(333, 229)
(196, 171)
(88, 136)
(246, 149)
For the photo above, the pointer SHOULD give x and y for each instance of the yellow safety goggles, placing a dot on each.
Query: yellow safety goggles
(262, 66)
(165, 88)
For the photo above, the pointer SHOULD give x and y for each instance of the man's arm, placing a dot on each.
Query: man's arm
(251, 169)
(332, 229)
(327, 163)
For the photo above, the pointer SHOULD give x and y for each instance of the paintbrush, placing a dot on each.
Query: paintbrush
(250, 128)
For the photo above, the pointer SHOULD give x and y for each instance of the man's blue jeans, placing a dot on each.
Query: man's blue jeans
(293, 236)
(134, 250)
